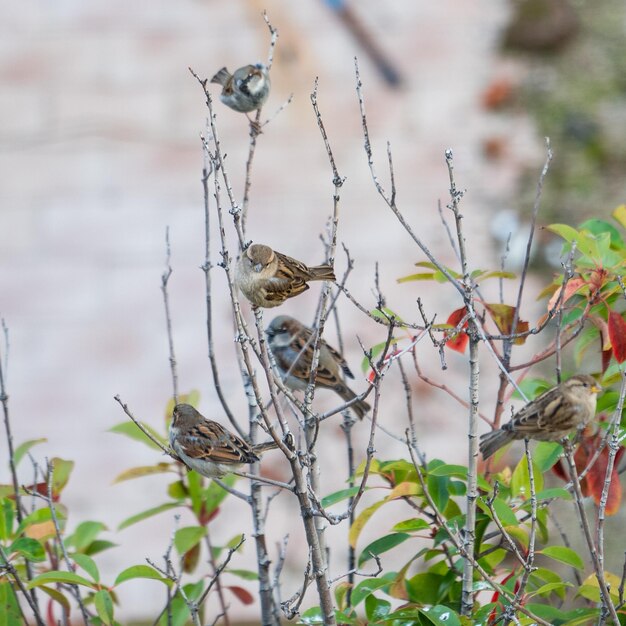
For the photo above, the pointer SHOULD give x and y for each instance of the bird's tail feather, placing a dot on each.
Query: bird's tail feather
(493, 441)
(322, 272)
(360, 407)
(222, 77)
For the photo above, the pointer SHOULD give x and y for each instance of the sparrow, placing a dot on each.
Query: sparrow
(245, 90)
(550, 416)
(291, 344)
(267, 278)
(207, 447)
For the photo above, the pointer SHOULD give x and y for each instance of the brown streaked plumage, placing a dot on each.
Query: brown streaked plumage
(207, 447)
(292, 346)
(246, 89)
(267, 278)
(549, 417)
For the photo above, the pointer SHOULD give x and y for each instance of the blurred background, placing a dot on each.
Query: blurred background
(100, 153)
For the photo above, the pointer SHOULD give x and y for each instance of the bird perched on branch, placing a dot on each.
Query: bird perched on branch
(267, 278)
(549, 417)
(245, 90)
(207, 447)
(291, 344)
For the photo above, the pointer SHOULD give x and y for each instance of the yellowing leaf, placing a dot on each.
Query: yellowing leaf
(361, 520)
(619, 214)
(404, 489)
(138, 472)
(503, 316)
(41, 531)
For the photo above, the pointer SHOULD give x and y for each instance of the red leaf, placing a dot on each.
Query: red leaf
(458, 342)
(594, 481)
(50, 613)
(617, 335)
(571, 288)
(204, 518)
(559, 469)
(242, 594)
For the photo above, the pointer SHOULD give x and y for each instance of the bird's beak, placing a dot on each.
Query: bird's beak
(596, 388)
(270, 332)
(257, 268)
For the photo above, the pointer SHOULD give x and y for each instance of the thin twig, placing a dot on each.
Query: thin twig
(605, 596)
(168, 317)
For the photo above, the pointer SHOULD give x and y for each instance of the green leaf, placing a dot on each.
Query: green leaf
(180, 611)
(554, 492)
(407, 615)
(60, 577)
(341, 594)
(599, 227)
(243, 573)
(549, 588)
(504, 513)
(195, 483)
(376, 608)
(498, 274)
(338, 496)
(312, 616)
(29, 548)
(365, 588)
(88, 564)
(84, 535)
(10, 615)
(441, 615)
(99, 545)
(56, 595)
(549, 613)
(140, 571)
(23, 448)
(564, 555)
(375, 351)
(419, 276)
(130, 429)
(146, 470)
(424, 588)
(384, 313)
(61, 470)
(520, 481)
(177, 490)
(186, 538)
(7, 515)
(546, 454)
(457, 471)
(146, 514)
(104, 606)
(382, 545)
(411, 525)
(585, 241)
(214, 495)
(438, 488)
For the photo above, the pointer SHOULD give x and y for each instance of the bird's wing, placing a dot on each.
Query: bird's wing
(291, 268)
(278, 288)
(549, 411)
(301, 347)
(210, 441)
(340, 360)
